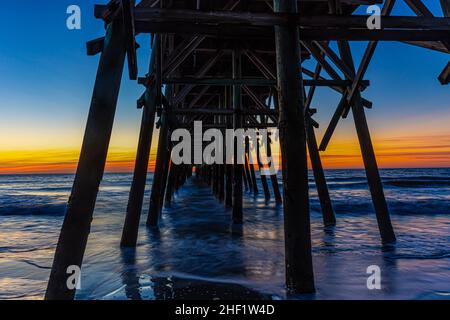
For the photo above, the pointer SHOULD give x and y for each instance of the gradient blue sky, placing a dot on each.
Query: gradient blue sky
(47, 80)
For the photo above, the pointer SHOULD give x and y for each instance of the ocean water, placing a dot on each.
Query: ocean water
(196, 252)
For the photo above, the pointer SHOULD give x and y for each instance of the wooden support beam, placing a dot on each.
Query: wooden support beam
(215, 185)
(421, 10)
(95, 46)
(375, 185)
(161, 171)
(368, 104)
(221, 192)
(273, 178)
(220, 126)
(253, 177)
(184, 17)
(172, 184)
(263, 176)
(200, 73)
(444, 77)
(251, 168)
(179, 55)
(328, 216)
(260, 64)
(76, 226)
(326, 50)
(299, 269)
(228, 185)
(348, 96)
(128, 23)
(211, 111)
(258, 82)
(258, 25)
(246, 177)
(418, 7)
(333, 124)
(237, 123)
(445, 5)
(319, 56)
(261, 105)
(369, 159)
(317, 34)
(134, 208)
(107, 12)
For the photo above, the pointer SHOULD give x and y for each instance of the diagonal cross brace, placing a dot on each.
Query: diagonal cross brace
(349, 96)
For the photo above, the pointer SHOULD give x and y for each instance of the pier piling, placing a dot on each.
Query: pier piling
(77, 221)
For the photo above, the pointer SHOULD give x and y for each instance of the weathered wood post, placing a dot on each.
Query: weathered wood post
(228, 185)
(328, 216)
(237, 123)
(263, 176)
(273, 177)
(368, 154)
(163, 186)
(373, 175)
(221, 182)
(163, 154)
(251, 166)
(171, 184)
(134, 208)
(299, 268)
(77, 222)
(222, 121)
(160, 174)
(215, 186)
(247, 177)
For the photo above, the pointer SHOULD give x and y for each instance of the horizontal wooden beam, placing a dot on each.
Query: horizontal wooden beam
(225, 126)
(318, 34)
(95, 46)
(256, 82)
(158, 15)
(209, 111)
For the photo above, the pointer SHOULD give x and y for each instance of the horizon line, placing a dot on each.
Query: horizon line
(152, 171)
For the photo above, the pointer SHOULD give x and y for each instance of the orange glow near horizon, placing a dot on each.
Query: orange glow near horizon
(344, 152)
(64, 161)
(400, 152)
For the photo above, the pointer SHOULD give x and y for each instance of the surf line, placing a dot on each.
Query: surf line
(187, 310)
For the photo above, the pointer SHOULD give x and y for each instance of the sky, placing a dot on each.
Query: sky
(46, 82)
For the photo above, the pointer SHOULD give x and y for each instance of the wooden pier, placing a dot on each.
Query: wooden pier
(236, 64)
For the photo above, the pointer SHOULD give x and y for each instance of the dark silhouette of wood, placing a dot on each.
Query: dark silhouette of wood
(247, 177)
(200, 86)
(228, 185)
(134, 208)
(329, 218)
(159, 176)
(172, 184)
(251, 168)
(369, 159)
(273, 178)
(77, 222)
(237, 123)
(221, 182)
(262, 174)
(299, 269)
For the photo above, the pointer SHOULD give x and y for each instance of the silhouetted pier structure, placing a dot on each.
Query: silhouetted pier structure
(236, 64)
